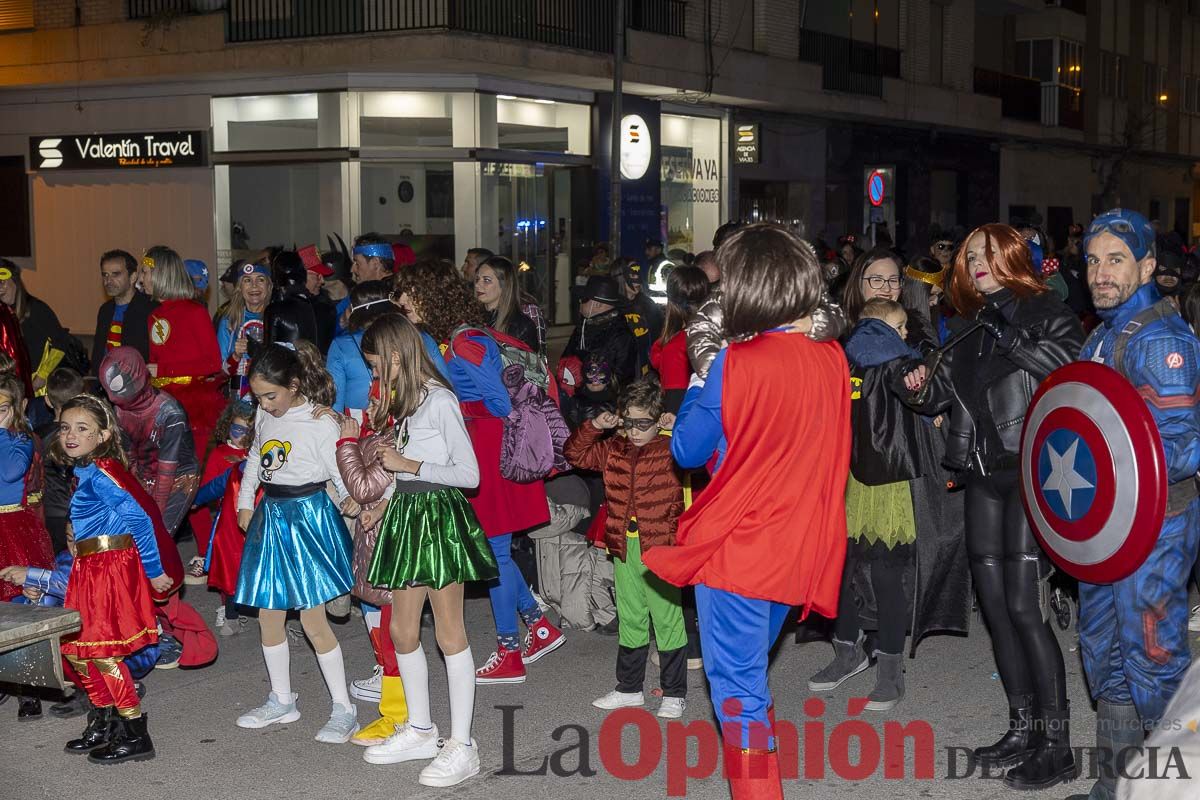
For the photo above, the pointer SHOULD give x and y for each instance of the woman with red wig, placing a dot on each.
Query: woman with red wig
(1022, 333)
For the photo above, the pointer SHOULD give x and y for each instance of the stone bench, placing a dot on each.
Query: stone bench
(29, 643)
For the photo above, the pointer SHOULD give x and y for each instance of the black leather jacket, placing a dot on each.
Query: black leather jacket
(986, 383)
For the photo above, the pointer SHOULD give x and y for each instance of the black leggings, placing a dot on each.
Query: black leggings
(1006, 564)
(887, 581)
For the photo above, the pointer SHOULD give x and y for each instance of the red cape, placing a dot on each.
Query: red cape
(772, 523)
(168, 553)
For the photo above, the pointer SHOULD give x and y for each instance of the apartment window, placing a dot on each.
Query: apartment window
(1035, 59)
(1122, 91)
(937, 43)
(1108, 73)
(16, 15)
(1070, 63)
(1150, 83)
(1163, 94)
(1188, 99)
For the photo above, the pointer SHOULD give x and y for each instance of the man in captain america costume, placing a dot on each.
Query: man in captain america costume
(162, 455)
(1133, 633)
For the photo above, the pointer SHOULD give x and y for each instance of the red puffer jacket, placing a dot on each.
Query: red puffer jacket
(641, 482)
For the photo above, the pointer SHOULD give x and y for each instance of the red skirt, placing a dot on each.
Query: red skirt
(225, 560)
(203, 402)
(112, 595)
(24, 542)
(501, 505)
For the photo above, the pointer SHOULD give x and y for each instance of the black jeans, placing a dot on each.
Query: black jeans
(1007, 565)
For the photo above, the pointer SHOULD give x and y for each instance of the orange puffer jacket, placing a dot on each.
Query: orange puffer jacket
(641, 482)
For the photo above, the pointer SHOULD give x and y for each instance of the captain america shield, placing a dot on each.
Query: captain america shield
(1093, 474)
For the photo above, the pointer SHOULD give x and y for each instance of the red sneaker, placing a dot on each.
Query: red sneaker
(503, 666)
(541, 639)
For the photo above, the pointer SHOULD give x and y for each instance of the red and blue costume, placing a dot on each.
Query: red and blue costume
(1133, 633)
(23, 537)
(183, 346)
(754, 548)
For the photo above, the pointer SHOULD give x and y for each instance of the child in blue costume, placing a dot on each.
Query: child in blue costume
(297, 551)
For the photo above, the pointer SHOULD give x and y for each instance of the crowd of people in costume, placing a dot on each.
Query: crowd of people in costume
(378, 429)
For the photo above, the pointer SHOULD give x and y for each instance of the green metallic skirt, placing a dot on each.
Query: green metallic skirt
(430, 539)
(880, 514)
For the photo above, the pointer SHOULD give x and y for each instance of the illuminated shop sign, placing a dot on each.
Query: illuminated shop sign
(118, 151)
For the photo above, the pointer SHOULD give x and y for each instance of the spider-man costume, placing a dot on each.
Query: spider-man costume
(159, 439)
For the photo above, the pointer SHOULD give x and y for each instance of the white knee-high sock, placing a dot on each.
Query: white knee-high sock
(334, 671)
(278, 660)
(414, 674)
(460, 674)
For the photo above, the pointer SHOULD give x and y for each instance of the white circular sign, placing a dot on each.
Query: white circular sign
(636, 147)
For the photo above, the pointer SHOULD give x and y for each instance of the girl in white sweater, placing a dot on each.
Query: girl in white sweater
(429, 545)
(297, 553)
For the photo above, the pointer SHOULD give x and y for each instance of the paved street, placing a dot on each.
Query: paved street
(201, 754)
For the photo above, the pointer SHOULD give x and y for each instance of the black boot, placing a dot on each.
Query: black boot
(74, 706)
(1053, 761)
(132, 743)
(1018, 742)
(28, 708)
(99, 731)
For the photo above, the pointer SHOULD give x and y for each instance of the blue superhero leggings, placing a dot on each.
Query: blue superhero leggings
(510, 594)
(736, 635)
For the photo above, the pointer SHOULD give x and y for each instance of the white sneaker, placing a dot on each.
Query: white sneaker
(671, 708)
(220, 620)
(615, 699)
(454, 764)
(271, 712)
(342, 724)
(1194, 620)
(369, 690)
(406, 744)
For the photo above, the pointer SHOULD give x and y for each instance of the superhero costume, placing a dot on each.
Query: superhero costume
(738, 542)
(1133, 633)
(183, 346)
(156, 429)
(23, 536)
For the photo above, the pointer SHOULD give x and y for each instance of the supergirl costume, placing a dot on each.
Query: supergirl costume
(297, 551)
(429, 535)
(116, 552)
(23, 537)
(754, 551)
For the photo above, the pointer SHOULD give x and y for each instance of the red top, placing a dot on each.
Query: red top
(183, 341)
(671, 361)
(772, 524)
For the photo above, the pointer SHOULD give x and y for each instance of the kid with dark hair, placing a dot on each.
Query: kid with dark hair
(641, 515)
(297, 551)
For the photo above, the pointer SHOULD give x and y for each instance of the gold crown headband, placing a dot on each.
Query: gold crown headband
(147, 261)
(932, 278)
(5, 274)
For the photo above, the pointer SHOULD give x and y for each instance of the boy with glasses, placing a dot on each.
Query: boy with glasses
(644, 499)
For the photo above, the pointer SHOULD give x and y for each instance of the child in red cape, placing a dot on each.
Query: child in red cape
(775, 404)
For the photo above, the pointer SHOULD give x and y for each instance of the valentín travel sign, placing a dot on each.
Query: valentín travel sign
(118, 151)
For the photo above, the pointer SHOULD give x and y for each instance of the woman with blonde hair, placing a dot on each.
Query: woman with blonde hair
(185, 359)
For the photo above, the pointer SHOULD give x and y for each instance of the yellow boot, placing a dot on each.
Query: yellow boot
(393, 711)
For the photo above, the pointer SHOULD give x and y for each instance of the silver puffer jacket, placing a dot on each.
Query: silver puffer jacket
(706, 337)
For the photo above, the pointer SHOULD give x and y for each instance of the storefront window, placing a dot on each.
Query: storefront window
(277, 122)
(406, 119)
(543, 125)
(691, 181)
(411, 202)
(274, 205)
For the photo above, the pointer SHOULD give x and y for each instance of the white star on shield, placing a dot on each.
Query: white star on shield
(1063, 478)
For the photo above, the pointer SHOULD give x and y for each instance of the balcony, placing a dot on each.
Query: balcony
(1029, 100)
(578, 24)
(1078, 6)
(848, 65)
(149, 9)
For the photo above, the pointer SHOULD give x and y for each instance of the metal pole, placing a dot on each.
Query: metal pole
(614, 234)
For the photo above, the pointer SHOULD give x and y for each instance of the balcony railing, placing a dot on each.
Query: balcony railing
(1020, 98)
(1029, 100)
(580, 24)
(848, 65)
(146, 9)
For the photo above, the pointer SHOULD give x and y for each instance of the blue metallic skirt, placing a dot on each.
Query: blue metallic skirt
(297, 554)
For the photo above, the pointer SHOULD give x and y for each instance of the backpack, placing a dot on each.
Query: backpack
(531, 446)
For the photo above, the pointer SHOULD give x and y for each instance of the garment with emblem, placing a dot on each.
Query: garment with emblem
(183, 345)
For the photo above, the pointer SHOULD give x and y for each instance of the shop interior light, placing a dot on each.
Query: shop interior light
(545, 102)
(506, 97)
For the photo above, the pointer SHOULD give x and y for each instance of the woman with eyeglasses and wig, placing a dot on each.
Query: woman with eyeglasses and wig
(1022, 333)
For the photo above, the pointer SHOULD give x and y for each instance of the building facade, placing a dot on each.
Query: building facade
(222, 126)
